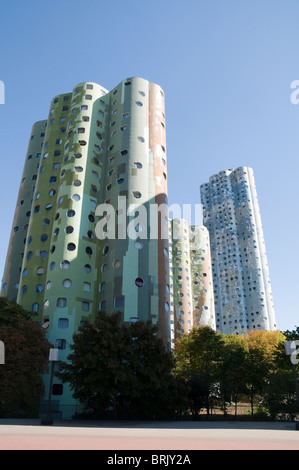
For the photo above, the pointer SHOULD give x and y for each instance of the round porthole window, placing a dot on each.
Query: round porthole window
(138, 244)
(139, 282)
(71, 246)
(65, 264)
(67, 283)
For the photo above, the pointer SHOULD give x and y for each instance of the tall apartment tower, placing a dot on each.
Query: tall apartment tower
(98, 151)
(191, 281)
(242, 289)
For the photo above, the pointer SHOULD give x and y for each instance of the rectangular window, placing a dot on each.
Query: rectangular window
(61, 302)
(85, 306)
(60, 344)
(57, 389)
(87, 286)
(63, 323)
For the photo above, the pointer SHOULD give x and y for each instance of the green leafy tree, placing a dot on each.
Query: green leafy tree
(26, 359)
(233, 378)
(260, 361)
(121, 368)
(280, 393)
(198, 357)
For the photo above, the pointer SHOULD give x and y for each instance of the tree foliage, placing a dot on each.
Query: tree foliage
(26, 359)
(122, 369)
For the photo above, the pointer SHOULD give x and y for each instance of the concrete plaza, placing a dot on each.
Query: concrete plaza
(152, 436)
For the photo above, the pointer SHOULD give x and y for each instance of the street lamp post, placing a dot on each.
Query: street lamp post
(290, 349)
(53, 357)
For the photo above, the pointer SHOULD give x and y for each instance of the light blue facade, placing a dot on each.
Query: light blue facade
(242, 288)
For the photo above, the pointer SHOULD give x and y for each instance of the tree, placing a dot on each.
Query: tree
(233, 383)
(198, 357)
(121, 368)
(260, 361)
(26, 359)
(280, 394)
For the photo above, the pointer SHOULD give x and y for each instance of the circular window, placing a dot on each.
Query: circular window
(76, 197)
(137, 194)
(138, 244)
(46, 222)
(91, 218)
(166, 306)
(29, 254)
(88, 250)
(69, 229)
(139, 282)
(78, 155)
(139, 103)
(25, 272)
(44, 237)
(105, 250)
(71, 213)
(87, 268)
(24, 289)
(116, 263)
(104, 267)
(40, 271)
(48, 285)
(48, 207)
(39, 288)
(52, 265)
(71, 246)
(65, 264)
(90, 234)
(67, 283)
(77, 183)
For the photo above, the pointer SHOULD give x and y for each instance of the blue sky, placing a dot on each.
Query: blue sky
(225, 66)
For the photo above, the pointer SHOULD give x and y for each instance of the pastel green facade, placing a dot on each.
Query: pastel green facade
(96, 147)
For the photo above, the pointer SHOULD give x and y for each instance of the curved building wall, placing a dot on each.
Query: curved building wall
(202, 278)
(134, 269)
(243, 298)
(192, 297)
(98, 147)
(20, 225)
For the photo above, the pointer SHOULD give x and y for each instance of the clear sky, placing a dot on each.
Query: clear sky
(225, 66)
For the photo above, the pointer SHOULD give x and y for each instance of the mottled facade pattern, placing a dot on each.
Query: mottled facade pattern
(242, 289)
(191, 282)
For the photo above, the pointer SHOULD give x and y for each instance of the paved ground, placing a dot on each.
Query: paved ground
(177, 436)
